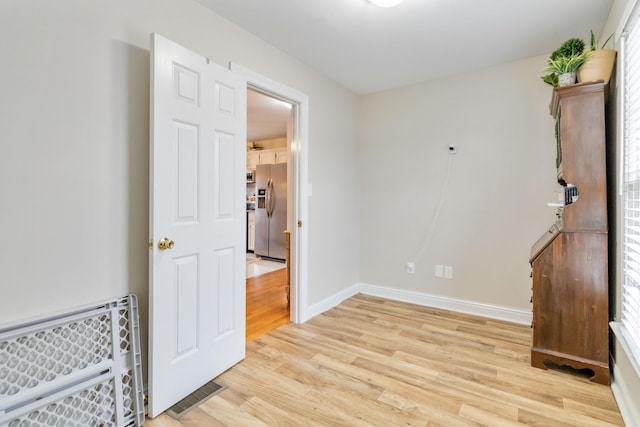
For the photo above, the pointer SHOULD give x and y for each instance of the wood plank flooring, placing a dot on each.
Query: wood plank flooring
(266, 303)
(375, 362)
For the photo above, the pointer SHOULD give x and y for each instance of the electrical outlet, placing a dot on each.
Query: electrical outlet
(448, 272)
(439, 270)
(411, 267)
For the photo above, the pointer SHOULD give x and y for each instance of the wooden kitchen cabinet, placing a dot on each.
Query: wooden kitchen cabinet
(266, 157)
(570, 261)
(253, 159)
(272, 156)
(280, 155)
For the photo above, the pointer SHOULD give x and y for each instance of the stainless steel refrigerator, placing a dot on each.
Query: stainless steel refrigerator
(271, 210)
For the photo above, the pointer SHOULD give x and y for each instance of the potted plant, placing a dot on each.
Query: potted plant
(599, 62)
(563, 63)
(252, 145)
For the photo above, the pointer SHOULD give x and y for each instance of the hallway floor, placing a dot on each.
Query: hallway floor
(257, 266)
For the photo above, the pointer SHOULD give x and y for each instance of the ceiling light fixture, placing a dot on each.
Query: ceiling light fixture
(386, 3)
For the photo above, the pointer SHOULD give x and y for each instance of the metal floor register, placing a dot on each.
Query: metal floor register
(80, 369)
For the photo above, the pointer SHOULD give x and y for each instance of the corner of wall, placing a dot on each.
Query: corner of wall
(329, 302)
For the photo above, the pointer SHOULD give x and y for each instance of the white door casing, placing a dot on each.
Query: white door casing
(297, 211)
(197, 174)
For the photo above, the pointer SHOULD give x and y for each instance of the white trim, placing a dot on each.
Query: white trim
(624, 395)
(626, 405)
(627, 281)
(490, 311)
(454, 304)
(624, 19)
(332, 301)
(620, 136)
(300, 182)
(619, 332)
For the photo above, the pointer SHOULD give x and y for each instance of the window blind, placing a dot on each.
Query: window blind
(631, 184)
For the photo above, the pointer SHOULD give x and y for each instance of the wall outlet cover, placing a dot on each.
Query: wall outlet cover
(411, 267)
(439, 270)
(448, 272)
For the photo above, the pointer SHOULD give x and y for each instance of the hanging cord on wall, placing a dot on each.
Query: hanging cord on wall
(434, 221)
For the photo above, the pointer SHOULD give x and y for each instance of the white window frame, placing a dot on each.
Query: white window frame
(629, 325)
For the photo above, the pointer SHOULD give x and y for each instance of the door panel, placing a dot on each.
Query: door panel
(197, 287)
(226, 175)
(186, 306)
(187, 163)
(225, 321)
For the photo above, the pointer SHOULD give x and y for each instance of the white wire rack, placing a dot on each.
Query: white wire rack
(80, 369)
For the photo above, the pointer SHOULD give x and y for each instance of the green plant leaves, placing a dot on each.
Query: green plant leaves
(566, 59)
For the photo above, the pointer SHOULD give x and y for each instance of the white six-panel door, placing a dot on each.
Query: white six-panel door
(197, 284)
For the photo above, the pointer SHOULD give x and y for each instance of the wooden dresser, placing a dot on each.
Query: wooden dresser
(569, 262)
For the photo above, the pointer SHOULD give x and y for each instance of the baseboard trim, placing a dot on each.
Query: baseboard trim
(446, 303)
(428, 300)
(625, 378)
(330, 302)
(623, 395)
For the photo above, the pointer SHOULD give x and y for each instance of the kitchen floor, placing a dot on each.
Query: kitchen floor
(257, 266)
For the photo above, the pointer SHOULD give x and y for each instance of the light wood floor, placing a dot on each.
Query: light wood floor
(374, 362)
(266, 303)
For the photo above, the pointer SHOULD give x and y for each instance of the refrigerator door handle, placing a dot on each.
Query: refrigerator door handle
(266, 199)
(272, 198)
(269, 197)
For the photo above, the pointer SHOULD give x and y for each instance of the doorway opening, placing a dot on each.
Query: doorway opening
(297, 178)
(269, 125)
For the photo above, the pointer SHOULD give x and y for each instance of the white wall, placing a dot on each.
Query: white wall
(74, 117)
(479, 210)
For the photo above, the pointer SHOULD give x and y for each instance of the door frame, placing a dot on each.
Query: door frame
(298, 177)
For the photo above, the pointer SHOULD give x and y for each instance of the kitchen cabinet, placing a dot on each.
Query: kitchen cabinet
(266, 157)
(253, 159)
(251, 231)
(570, 261)
(280, 155)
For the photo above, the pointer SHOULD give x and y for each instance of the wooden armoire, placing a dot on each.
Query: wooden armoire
(569, 262)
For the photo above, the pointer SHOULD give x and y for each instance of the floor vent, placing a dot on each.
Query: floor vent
(208, 390)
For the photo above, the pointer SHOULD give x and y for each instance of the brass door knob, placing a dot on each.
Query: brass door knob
(165, 243)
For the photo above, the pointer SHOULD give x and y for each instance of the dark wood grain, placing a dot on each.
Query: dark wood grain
(581, 113)
(570, 268)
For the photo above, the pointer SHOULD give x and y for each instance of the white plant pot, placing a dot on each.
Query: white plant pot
(566, 79)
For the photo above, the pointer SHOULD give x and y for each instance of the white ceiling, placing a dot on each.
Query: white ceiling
(367, 49)
(266, 117)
